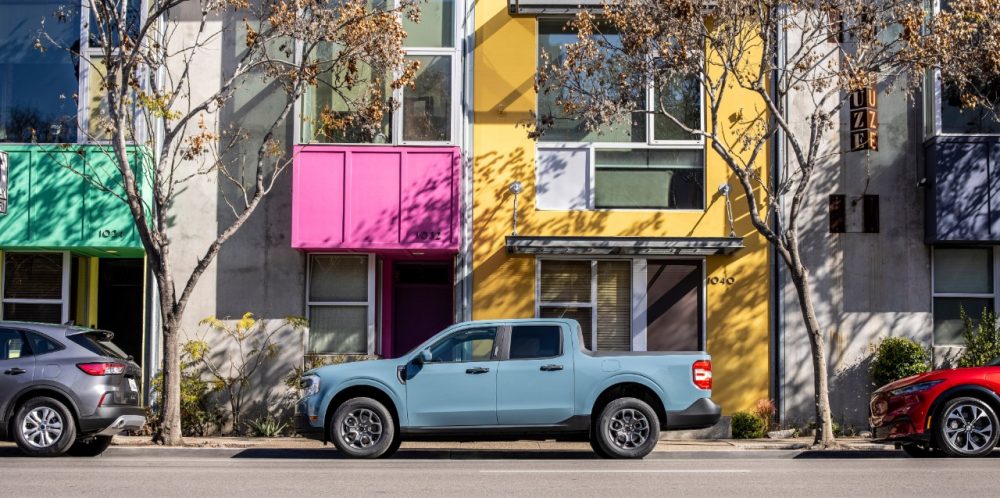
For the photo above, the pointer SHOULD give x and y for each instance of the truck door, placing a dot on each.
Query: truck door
(458, 386)
(535, 382)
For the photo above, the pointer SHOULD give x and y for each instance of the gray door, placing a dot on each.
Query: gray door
(17, 365)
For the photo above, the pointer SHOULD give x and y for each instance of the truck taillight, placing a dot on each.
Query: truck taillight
(102, 368)
(701, 374)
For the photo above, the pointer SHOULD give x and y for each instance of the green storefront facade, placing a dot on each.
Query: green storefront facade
(68, 245)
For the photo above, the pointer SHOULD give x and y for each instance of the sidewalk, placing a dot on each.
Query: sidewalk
(665, 445)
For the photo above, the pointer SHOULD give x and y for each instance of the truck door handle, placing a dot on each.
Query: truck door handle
(551, 368)
(477, 370)
(14, 371)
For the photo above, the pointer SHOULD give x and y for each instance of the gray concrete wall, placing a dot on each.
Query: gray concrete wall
(257, 270)
(865, 286)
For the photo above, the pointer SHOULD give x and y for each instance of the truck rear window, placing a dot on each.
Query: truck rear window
(99, 343)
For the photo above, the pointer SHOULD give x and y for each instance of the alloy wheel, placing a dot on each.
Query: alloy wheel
(362, 428)
(968, 428)
(42, 427)
(628, 428)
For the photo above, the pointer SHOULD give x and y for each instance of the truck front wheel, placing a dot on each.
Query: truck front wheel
(627, 428)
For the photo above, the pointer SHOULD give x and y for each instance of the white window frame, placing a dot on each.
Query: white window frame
(455, 52)
(371, 303)
(995, 296)
(639, 299)
(86, 53)
(65, 290)
(650, 143)
(933, 121)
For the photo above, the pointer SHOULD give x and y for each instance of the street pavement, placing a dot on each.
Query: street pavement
(276, 472)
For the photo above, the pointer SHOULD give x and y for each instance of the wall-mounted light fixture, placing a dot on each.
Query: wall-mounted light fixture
(724, 190)
(515, 188)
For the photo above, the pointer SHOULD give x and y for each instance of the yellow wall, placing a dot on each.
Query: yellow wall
(503, 285)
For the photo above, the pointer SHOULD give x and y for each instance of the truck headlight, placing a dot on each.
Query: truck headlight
(310, 385)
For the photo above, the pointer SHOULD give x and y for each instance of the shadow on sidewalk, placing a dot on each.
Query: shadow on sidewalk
(419, 454)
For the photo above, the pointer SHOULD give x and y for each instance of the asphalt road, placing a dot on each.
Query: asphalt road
(194, 474)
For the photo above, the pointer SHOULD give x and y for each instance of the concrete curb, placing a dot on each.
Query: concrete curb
(471, 454)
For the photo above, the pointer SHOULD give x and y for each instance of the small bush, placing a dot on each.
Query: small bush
(982, 340)
(200, 414)
(765, 410)
(266, 427)
(748, 426)
(898, 357)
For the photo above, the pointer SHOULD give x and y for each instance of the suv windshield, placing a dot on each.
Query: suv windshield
(99, 343)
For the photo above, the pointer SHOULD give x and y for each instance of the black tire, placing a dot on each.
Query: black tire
(627, 428)
(921, 450)
(956, 436)
(594, 445)
(393, 448)
(89, 446)
(32, 437)
(373, 433)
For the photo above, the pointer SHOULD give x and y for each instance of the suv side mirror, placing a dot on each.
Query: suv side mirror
(424, 356)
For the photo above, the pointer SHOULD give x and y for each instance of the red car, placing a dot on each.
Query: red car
(944, 412)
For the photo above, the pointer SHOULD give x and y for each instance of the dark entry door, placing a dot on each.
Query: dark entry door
(119, 303)
(422, 302)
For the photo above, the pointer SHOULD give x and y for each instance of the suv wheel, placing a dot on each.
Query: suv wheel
(966, 427)
(627, 428)
(363, 428)
(90, 447)
(44, 427)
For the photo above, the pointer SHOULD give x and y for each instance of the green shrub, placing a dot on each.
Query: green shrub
(266, 427)
(200, 414)
(748, 426)
(982, 340)
(898, 357)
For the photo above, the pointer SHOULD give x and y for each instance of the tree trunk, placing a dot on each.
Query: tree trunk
(170, 409)
(824, 431)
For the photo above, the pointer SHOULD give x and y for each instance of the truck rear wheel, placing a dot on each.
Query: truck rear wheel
(627, 428)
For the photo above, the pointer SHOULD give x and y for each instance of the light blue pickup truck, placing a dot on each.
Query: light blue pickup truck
(508, 379)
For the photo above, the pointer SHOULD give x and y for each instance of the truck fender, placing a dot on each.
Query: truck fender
(621, 379)
(367, 382)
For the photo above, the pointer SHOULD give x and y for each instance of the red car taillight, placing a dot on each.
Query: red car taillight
(102, 368)
(701, 374)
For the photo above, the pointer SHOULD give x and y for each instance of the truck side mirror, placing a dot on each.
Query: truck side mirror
(424, 356)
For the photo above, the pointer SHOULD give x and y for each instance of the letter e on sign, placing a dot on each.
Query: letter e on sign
(4, 164)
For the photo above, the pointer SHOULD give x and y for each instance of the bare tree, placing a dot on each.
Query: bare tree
(758, 53)
(157, 119)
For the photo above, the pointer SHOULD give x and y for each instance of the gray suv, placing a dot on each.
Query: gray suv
(65, 389)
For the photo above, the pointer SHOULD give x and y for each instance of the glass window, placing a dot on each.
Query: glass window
(955, 119)
(427, 103)
(674, 307)
(327, 106)
(420, 112)
(32, 287)
(340, 304)
(649, 178)
(553, 37)
(99, 343)
(38, 86)
(682, 99)
(12, 345)
(41, 344)
(963, 280)
(464, 346)
(535, 341)
(599, 296)
(436, 27)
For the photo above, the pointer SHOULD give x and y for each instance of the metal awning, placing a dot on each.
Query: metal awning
(625, 246)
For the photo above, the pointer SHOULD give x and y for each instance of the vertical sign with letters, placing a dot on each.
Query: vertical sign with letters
(864, 120)
(4, 162)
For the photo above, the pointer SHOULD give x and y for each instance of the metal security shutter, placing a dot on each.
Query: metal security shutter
(614, 305)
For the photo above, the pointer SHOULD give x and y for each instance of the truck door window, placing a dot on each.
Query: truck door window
(535, 341)
(465, 345)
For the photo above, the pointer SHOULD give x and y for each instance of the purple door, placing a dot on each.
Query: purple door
(422, 302)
